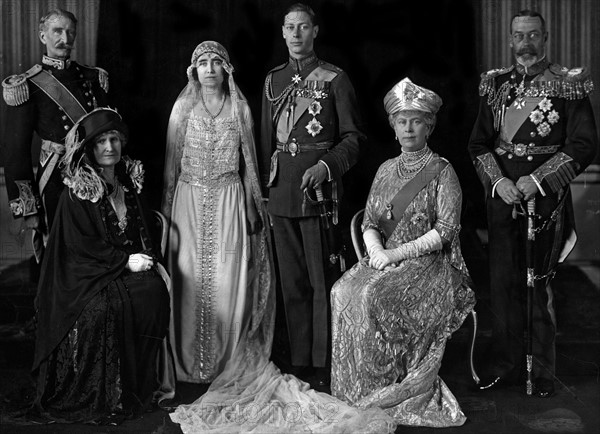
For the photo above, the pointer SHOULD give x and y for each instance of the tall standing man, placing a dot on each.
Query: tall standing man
(311, 135)
(48, 99)
(534, 134)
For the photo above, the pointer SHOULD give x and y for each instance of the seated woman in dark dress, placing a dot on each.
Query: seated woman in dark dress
(102, 306)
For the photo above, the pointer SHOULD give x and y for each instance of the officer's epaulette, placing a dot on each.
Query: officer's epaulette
(102, 76)
(15, 88)
(331, 67)
(278, 68)
(574, 83)
(488, 79)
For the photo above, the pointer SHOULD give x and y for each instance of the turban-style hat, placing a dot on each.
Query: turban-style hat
(406, 95)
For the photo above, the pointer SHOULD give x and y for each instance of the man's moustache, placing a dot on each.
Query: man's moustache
(523, 51)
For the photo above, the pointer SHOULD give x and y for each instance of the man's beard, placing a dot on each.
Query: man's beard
(527, 55)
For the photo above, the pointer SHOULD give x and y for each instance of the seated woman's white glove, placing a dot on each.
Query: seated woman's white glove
(427, 243)
(139, 262)
(372, 240)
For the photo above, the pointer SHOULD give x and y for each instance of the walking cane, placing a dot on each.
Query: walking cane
(530, 260)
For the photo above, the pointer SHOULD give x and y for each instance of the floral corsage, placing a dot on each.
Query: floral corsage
(135, 170)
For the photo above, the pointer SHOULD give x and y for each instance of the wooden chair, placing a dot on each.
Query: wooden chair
(359, 248)
(160, 223)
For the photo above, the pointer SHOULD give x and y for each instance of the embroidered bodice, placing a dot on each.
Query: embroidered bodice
(211, 152)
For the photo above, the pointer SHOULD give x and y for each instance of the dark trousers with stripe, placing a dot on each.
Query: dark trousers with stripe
(306, 279)
(508, 290)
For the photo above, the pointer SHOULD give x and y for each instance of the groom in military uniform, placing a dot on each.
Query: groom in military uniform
(48, 99)
(534, 134)
(311, 135)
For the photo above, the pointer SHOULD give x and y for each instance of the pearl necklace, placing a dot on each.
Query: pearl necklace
(409, 163)
(213, 117)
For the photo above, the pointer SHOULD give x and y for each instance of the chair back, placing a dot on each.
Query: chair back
(160, 222)
(356, 234)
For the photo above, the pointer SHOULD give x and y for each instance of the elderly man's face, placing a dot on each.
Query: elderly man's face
(299, 33)
(528, 40)
(59, 36)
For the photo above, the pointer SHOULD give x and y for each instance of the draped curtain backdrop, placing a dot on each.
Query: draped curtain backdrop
(441, 44)
(572, 25)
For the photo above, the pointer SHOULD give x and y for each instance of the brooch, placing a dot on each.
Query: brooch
(388, 214)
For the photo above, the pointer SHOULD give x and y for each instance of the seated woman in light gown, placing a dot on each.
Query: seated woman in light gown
(102, 305)
(393, 312)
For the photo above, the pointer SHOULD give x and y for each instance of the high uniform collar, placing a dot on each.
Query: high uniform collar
(534, 69)
(56, 63)
(300, 64)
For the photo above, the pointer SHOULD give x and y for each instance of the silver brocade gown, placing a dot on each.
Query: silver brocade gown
(389, 328)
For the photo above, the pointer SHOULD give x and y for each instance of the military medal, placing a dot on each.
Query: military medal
(314, 108)
(520, 101)
(314, 127)
(296, 79)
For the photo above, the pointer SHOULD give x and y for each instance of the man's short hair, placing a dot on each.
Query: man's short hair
(528, 13)
(58, 12)
(301, 7)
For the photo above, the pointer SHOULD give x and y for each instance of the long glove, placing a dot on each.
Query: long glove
(427, 243)
(381, 258)
(372, 240)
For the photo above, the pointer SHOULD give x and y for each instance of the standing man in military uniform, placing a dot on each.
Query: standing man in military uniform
(534, 134)
(311, 135)
(48, 99)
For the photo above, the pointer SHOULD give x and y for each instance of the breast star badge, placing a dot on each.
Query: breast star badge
(314, 127)
(314, 108)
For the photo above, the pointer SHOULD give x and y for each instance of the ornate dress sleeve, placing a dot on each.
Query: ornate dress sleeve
(448, 204)
(375, 201)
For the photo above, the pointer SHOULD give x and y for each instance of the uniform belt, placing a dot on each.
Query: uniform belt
(294, 147)
(50, 146)
(522, 150)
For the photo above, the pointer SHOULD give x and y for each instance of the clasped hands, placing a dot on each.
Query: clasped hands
(512, 193)
(139, 262)
(382, 259)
